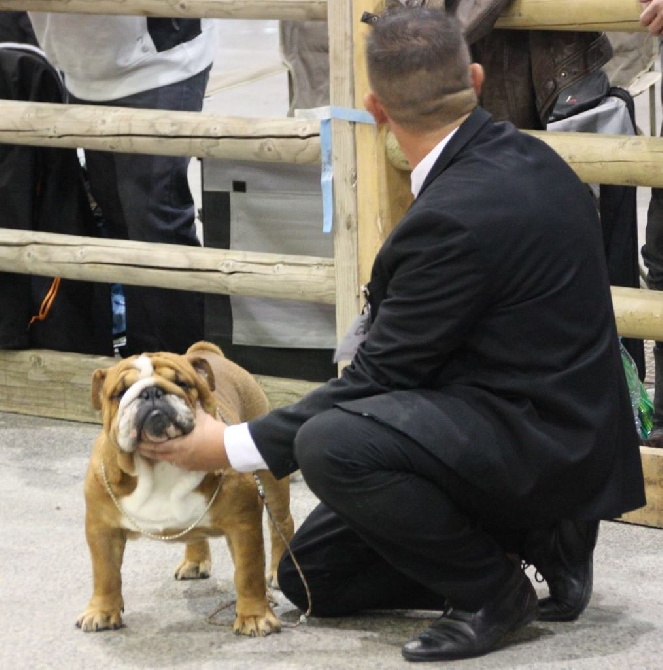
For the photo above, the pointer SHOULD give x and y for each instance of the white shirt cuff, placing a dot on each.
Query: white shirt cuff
(241, 449)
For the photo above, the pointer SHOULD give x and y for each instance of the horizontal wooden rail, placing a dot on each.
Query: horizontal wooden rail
(283, 140)
(622, 15)
(295, 10)
(46, 383)
(307, 278)
(639, 312)
(57, 384)
(628, 160)
(607, 159)
(520, 14)
(652, 513)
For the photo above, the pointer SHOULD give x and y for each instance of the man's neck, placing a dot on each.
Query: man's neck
(417, 144)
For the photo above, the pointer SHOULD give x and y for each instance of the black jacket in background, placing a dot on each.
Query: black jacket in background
(42, 189)
(16, 27)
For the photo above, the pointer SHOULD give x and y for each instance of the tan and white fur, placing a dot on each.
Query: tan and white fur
(155, 396)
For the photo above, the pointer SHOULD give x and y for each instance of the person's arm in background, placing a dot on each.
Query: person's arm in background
(652, 16)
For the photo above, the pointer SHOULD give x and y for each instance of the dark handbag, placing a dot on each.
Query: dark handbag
(585, 94)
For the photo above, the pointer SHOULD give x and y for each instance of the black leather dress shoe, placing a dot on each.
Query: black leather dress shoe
(564, 556)
(460, 634)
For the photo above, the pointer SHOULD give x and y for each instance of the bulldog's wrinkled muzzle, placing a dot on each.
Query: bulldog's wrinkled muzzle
(160, 417)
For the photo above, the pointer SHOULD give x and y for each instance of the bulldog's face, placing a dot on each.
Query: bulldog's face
(151, 397)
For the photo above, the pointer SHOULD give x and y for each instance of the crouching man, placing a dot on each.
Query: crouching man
(486, 414)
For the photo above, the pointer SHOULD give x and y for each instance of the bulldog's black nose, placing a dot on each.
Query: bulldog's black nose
(152, 393)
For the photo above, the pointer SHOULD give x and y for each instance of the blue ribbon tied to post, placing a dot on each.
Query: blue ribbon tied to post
(326, 115)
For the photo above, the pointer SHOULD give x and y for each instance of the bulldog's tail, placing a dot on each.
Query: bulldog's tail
(205, 346)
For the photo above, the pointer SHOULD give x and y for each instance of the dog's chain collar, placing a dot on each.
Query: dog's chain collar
(147, 533)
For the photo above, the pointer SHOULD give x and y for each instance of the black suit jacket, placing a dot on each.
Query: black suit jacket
(493, 342)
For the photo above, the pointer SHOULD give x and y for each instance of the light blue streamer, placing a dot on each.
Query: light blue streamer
(327, 174)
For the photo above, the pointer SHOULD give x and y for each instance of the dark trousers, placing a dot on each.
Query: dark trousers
(652, 251)
(652, 256)
(396, 527)
(147, 198)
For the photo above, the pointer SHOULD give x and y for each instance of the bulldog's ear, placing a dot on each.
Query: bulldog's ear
(204, 369)
(98, 378)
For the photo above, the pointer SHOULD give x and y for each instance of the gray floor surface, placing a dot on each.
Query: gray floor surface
(45, 582)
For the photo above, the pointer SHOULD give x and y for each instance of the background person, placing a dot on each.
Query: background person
(652, 251)
(149, 63)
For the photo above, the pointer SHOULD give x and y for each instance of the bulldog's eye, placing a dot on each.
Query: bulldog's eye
(185, 386)
(118, 394)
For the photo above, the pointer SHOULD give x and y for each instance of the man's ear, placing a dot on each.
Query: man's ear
(375, 108)
(477, 77)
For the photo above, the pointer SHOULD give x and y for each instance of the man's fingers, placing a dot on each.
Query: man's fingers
(160, 450)
(652, 18)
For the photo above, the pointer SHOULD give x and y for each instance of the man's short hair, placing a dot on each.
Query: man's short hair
(416, 59)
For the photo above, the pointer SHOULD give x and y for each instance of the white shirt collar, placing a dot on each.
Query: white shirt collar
(424, 166)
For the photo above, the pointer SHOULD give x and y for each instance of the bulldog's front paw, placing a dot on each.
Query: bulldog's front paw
(257, 626)
(193, 570)
(94, 620)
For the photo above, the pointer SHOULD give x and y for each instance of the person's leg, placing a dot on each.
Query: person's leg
(652, 256)
(18, 179)
(395, 496)
(147, 198)
(424, 522)
(344, 575)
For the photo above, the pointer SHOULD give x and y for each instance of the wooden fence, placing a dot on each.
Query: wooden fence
(365, 161)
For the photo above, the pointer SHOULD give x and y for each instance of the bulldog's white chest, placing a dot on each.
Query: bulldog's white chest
(165, 497)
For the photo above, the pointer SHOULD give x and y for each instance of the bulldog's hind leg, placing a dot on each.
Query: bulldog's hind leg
(254, 615)
(197, 561)
(104, 611)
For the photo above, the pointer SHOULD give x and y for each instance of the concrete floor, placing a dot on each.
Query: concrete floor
(45, 582)
(45, 579)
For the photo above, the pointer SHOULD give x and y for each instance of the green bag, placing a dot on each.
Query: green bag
(643, 408)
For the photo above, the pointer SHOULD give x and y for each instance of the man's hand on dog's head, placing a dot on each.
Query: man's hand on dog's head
(202, 449)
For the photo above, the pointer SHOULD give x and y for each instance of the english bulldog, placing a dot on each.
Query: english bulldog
(127, 496)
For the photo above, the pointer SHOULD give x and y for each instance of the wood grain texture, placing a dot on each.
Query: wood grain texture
(54, 384)
(284, 10)
(308, 278)
(627, 160)
(123, 130)
(652, 513)
(621, 15)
